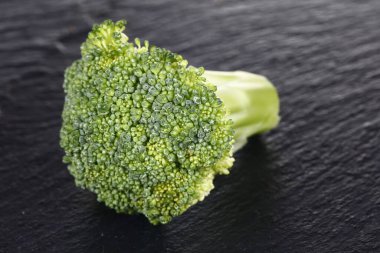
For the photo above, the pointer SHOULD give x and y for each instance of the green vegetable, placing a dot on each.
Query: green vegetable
(146, 132)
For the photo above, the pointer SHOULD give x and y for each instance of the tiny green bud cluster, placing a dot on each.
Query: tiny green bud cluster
(141, 128)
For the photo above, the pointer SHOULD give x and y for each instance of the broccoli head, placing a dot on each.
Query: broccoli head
(146, 132)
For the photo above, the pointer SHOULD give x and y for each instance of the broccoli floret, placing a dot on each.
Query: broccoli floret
(146, 132)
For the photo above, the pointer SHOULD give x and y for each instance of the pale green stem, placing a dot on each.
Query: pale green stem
(251, 100)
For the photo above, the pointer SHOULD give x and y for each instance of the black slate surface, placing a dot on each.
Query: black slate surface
(311, 185)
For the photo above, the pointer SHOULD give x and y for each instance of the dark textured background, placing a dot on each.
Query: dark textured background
(311, 185)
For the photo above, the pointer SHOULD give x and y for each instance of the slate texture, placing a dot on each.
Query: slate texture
(311, 185)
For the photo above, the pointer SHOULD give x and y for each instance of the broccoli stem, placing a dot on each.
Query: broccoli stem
(252, 102)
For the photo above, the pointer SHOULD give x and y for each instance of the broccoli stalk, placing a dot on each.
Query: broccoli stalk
(146, 132)
(251, 100)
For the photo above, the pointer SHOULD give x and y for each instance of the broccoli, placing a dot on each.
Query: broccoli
(146, 132)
